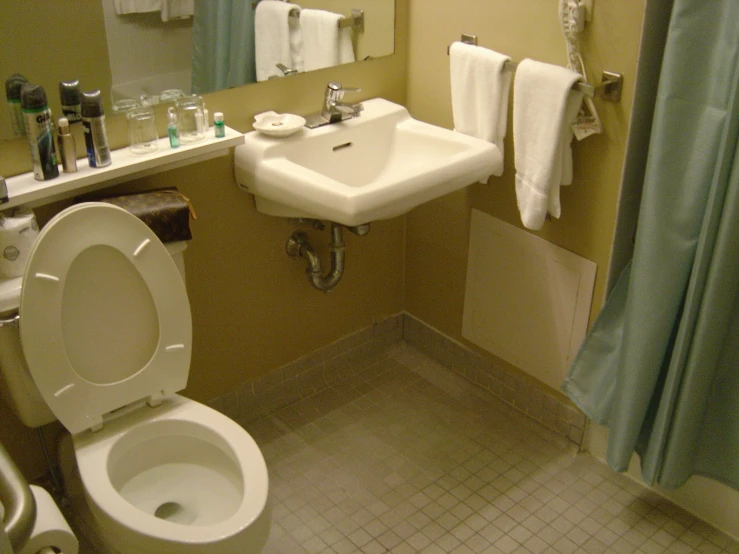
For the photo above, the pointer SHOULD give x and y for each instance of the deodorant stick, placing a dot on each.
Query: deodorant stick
(96, 137)
(69, 94)
(40, 136)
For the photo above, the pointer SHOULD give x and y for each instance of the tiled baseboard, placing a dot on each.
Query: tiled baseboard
(312, 373)
(323, 368)
(513, 389)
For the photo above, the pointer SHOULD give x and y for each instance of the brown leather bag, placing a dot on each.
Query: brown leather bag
(167, 211)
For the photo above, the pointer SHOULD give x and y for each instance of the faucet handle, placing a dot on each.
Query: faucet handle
(286, 71)
(335, 86)
(335, 90)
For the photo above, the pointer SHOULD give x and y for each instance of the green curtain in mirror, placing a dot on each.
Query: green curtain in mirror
(223, 45)
(660, 368)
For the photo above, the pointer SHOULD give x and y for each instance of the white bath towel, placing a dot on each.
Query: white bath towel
(480, 87)
(177, 9)
(324, 43)
(544, 106)
(123, 7)
(278, 38)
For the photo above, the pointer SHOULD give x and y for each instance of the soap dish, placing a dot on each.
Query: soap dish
(278, 124)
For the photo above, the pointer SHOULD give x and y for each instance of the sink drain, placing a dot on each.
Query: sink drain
(168, 510)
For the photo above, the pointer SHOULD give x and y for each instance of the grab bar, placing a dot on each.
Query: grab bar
(17, 498)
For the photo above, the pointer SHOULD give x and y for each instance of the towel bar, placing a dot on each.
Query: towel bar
(355, 20)
(293, 13)
(610, 86)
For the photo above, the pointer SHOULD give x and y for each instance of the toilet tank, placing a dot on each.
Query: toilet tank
(17, 388)
(177, 251)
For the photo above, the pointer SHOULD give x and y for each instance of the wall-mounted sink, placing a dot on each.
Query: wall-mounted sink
(372, 167)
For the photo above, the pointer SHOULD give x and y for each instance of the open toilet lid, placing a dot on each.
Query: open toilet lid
(104, 315)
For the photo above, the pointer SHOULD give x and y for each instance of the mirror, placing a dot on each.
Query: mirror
(129, 55)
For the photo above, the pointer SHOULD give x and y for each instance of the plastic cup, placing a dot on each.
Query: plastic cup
(142, 131)
(190, 118)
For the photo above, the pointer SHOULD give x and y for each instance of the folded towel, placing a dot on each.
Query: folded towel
(177, 9)
(278, 38)
(324, 43)
(123, 7)
(544, 106)
(480, 87)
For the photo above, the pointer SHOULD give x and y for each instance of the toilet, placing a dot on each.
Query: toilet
(105, 345)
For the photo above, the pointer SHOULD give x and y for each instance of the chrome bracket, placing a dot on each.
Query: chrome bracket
(355, 21)
(611, 85)
(465, 39)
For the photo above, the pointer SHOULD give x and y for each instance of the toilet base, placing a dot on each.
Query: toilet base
(85, 524)
(78, 512)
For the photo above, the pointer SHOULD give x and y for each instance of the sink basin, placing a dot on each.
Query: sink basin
(376, 166)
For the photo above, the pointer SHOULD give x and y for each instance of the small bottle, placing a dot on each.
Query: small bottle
(67, 146)
(206, 120)
(218, 125)
(39, 125)
(13, 86)
(69, 93)
(172, 131)
(96, 137)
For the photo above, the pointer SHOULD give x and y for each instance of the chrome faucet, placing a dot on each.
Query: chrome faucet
(334, 110)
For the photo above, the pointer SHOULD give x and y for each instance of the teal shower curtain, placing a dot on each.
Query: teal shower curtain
(223, 45)
(660, 367)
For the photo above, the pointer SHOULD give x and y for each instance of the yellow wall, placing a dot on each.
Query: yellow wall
(36, 41)
(253, 307)
(437, 232)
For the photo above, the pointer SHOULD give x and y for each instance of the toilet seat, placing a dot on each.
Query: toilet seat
(105, 320)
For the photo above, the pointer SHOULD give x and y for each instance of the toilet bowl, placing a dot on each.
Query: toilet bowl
(106, 335)
(184, 480)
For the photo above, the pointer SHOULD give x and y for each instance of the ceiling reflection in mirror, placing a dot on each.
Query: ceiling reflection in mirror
(135, 56)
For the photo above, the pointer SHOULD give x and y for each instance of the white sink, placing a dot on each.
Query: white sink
(372, 167)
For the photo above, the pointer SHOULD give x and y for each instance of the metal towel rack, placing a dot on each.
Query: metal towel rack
(609, 88)
(355, 20)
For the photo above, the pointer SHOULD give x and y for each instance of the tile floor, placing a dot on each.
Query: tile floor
(404, 457)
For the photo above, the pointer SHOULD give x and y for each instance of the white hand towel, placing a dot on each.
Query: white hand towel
(177, 9)
(123, 7)
(278, 38)
(324, 43)
(544, 106)
(480, 86)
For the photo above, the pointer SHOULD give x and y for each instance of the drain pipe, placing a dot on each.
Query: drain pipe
(298, 245)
